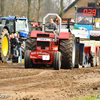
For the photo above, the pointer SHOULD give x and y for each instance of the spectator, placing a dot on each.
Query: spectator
(15, 35)
(13, 44)
(19, 41)
(87, 58)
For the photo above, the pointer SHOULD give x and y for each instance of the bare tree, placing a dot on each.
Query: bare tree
(16, 7)
(39, 9)
(49, 6)
(2, 8)
(96, 1)
(62, 8)
(29, 9)
(57, 6)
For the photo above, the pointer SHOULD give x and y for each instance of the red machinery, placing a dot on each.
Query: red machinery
(94, 55)
(35, 26)
(45, 47)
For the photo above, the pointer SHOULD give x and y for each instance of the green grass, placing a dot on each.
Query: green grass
(88, 98)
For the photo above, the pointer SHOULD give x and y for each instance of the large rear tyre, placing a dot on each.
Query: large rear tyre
(57, 61)
(4, 45)
(68, 51)
(27, 60)
(30, 46)
(30, 43)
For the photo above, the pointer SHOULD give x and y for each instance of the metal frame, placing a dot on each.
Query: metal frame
(52, 14)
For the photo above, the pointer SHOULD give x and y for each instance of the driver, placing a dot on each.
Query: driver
(52, 25)
(84, 21)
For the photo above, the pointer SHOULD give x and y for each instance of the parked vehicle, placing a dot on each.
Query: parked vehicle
(16, 24)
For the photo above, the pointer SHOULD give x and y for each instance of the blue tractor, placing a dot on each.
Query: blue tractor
(11, 25)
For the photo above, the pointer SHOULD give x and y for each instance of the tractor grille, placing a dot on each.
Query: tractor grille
(42, 35)
(42, 44)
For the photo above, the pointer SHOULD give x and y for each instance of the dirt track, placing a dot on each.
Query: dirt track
(47, 84)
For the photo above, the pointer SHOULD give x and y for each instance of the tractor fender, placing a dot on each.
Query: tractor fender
(64, 35)
(1, 28)
(34, 33)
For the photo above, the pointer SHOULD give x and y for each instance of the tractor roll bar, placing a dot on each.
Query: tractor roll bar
(53, 14)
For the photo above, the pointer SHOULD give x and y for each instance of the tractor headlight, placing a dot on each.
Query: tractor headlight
(47, 48)
(38, 47)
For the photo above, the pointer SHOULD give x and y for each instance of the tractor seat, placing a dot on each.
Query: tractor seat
(49, 30)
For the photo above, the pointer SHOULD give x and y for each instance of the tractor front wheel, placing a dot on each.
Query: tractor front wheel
(57, 61)
(4, 45)
(27, 60)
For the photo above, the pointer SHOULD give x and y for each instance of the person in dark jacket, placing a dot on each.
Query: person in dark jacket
(19, 42)
(13, 42)
(52, 25)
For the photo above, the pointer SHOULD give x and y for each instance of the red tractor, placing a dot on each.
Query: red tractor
(46, 47)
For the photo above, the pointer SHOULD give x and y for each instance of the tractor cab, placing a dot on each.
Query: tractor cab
(16, 24)
(83, 25)
(44, 26)
(9, 23)
(84, 19)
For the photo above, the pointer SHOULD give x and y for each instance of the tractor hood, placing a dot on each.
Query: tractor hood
(23, 34)
(36, 34)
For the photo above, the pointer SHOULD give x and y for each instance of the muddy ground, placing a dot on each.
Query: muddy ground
(18, 83)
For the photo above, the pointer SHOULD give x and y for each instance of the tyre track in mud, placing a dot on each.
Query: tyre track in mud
(46, 83)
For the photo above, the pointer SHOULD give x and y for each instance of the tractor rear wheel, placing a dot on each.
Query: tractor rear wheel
(27, 60)
(30, 43)
(4, 45)
(68, 52)
(57, 61)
